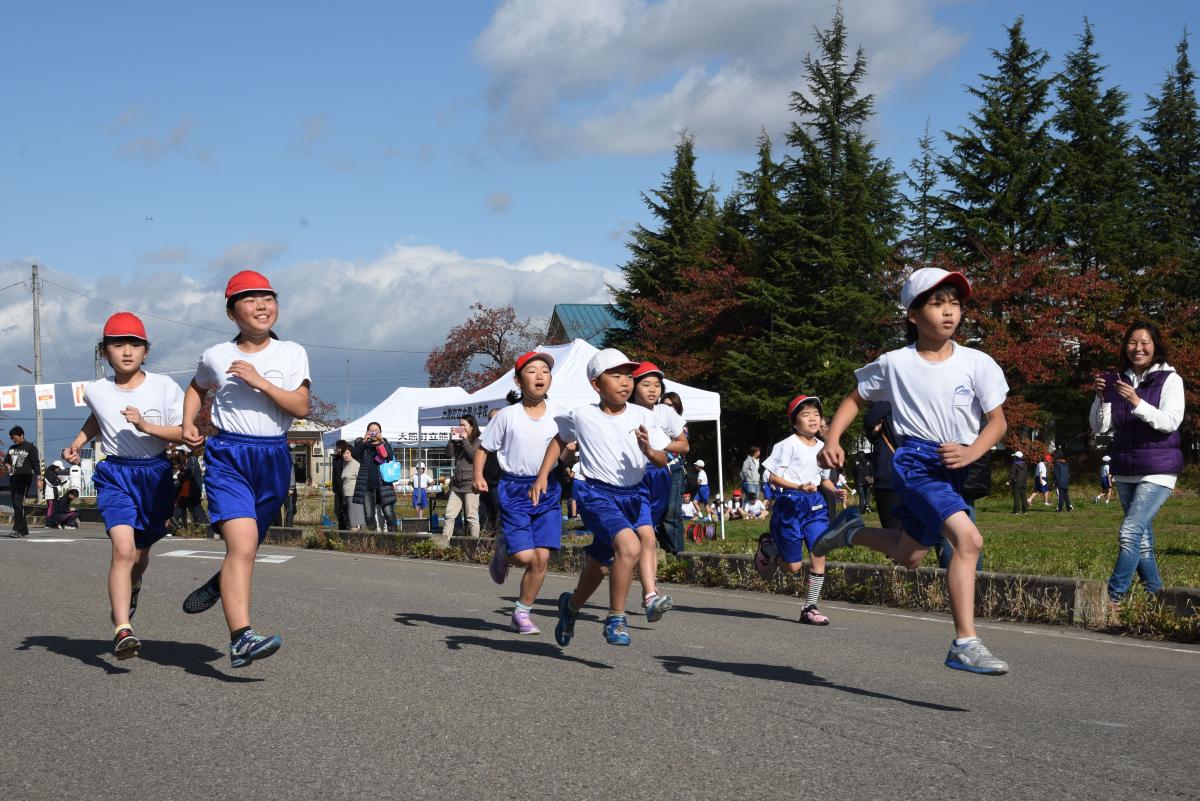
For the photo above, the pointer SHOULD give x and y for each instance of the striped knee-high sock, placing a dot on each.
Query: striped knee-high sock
(815, 582)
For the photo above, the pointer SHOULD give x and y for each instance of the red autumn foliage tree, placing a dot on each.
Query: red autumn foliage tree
(323, 412)
(689, 332)
(480, 350)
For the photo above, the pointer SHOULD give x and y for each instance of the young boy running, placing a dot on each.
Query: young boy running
(613, 438)
(518, 435)
(939, 390)
(137, 415)
(799, 516)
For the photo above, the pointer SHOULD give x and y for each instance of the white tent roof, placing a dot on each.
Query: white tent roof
(397, 416)
(569, 389)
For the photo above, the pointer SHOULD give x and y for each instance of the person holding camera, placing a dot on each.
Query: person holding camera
(464, 440)
(370, 490)
(1142, 404)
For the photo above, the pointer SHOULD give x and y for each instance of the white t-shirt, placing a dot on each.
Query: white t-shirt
(1041, 471)
(518, 440)
(158, 398)
(421, 479)
(756, 509)
(701, 478)
(793, 460)
(687, 510)
(608, 446)
(667, 426)
(238, 408)
(936, 401)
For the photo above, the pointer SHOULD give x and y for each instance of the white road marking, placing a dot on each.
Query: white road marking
(263, 559)
(50, 539)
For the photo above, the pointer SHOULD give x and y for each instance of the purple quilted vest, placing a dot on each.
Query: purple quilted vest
(1138, 449)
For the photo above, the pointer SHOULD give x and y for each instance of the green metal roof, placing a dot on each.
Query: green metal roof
(586, 321)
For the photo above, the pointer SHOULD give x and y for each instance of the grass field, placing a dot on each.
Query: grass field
(1082, 543)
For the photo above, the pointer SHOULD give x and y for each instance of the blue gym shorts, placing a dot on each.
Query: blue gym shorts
(527, 526)
(246, 476)
(135, 492)
(606, 509)
(656, 490)
(768, 491)
(702, 494)
(797, 519)
(420, 498)
(928, 491)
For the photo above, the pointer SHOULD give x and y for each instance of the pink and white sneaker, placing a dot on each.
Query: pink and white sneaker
(522, 623)
(813, 617)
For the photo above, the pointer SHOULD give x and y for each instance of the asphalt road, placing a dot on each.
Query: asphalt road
(399, 679)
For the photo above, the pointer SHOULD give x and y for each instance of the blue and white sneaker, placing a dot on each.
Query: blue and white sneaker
(974, 656)
(839, 533)
(251, 646)
(616, 630)
(658, 606)
(564, 630)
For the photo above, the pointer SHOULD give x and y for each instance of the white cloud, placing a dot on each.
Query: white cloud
(627, 76)
(248, 255)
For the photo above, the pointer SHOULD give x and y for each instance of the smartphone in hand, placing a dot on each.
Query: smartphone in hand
(1110, 387)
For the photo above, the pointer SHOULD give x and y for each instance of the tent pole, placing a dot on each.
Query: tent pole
(721, 475)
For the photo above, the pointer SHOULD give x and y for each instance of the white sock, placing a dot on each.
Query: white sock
(961, 641)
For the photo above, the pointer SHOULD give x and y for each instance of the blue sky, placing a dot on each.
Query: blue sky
(390, 163)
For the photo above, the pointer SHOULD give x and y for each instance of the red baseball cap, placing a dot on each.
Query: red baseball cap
(125, 324)
(799, 399)
(648, 368)
(526, 358)
(247, 281)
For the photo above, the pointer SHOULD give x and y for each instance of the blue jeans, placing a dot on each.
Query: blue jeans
(1141, 503)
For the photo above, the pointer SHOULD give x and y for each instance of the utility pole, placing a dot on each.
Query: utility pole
(347, 389)
(37, 363)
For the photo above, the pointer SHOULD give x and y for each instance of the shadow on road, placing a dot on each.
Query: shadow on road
(455, 642)
(192, 657)
(463, 623)
(745, 613)
(785, 673)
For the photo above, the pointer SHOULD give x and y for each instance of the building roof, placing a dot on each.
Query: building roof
(590, 322)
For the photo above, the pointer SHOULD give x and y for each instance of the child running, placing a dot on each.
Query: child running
(939, 390)
(1106, 484)
(613, 439)
(137, 416)
(261, 385)
(666, 434)
(799, 516)
(518, 435)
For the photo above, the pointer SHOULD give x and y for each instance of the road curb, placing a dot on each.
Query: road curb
(1043, 599)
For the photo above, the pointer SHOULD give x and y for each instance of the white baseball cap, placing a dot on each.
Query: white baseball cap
(1018, 455)
(1106, 459)
(420, 464)
(699, 463)
(58, 463)
(606, 360)
(927, 278)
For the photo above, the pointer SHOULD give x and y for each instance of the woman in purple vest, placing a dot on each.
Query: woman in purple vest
(1142, 405)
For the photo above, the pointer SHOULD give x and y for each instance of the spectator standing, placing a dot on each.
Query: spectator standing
(1106, 485)
(370, 490)
(1062, 483)
(864, 478)
(877, 423)
(464, 440)
(337, 467)
(670, 530)
(1018, 482)
(21, 463)
(752, 472)
(352, 511)
(1142, 405)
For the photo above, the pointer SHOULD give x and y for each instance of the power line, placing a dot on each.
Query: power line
(226, 333)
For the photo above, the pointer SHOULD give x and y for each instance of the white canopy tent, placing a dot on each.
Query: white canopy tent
(397, 416)
(569, 389)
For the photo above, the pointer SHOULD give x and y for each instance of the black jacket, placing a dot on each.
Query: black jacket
(1018, 473)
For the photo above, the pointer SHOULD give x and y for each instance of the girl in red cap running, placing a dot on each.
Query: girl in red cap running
(137, 416)
(261, 385)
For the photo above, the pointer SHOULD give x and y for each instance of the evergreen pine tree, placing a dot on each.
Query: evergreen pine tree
(685, 212)
(1094, 186)
(1000, 165)
(922, 223)
(1169, 165)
